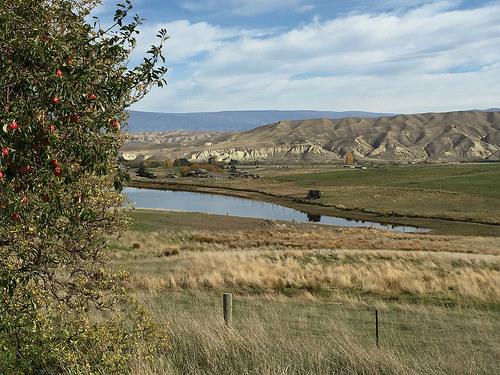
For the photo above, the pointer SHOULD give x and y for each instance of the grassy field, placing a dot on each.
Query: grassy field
(473, 179)
(466, 192)
(305, 296)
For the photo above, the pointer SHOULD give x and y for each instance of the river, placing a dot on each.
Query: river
(234, 206)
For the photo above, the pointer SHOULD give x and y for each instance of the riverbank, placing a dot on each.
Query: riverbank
(438, 225)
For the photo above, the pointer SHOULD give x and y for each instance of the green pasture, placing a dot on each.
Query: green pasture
(458, 192)
(475, 179)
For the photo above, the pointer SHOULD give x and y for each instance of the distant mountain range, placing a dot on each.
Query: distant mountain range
(487, 110)
(227, 121)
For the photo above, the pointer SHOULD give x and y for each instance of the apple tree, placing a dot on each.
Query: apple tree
(64, 86)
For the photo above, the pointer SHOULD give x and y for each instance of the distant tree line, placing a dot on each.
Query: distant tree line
(179, 162)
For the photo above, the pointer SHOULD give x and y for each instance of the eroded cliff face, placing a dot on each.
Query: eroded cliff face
(454, 136)
(295, 152)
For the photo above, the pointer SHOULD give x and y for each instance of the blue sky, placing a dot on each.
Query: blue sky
(382, 56)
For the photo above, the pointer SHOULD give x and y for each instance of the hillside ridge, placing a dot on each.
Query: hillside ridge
(451, 136)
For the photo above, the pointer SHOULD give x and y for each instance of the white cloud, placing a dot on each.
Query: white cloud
(410, 93)
(244, 7)
(429, 57)
(186, 39)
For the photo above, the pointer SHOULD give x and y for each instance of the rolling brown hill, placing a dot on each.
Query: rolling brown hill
(452, 136)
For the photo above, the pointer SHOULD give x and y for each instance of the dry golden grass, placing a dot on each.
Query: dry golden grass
(322, 262)
(304, 300)
(206, 346)
(285, 336)
(376, 272)
(345, 238)
(352, 238)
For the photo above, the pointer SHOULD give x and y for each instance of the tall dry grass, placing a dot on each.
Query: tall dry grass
(337, 279)
(274, 336)
(325, 262)
(275, 271)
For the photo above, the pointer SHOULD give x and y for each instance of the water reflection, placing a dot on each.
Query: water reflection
(233, 206)
(313, 218)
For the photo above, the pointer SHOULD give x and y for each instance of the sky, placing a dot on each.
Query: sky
(392, 56)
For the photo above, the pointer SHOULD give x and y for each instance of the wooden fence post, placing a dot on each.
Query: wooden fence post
(227, 307)
(376, 326)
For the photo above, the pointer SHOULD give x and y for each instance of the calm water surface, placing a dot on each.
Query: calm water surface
(233, 206)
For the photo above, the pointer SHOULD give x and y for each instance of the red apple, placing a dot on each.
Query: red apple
(13, 126)
(68, 61)
(57, 171)
(15, 217)
(36, 80)
(1, 175)
(92, 96)
(5, 152)
(25, 199)
(55, 99)
(54, 162)
(75, 118)
(59, 73)
(45, 197)
(52, 127)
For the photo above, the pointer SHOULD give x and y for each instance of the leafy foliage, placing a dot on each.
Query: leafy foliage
(182, 162)
(143, 172)
(63, 90)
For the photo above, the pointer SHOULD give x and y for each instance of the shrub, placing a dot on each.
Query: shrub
(182, 162)
(143, 172)
(184, 170)
(171, 250)
(349, 159)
